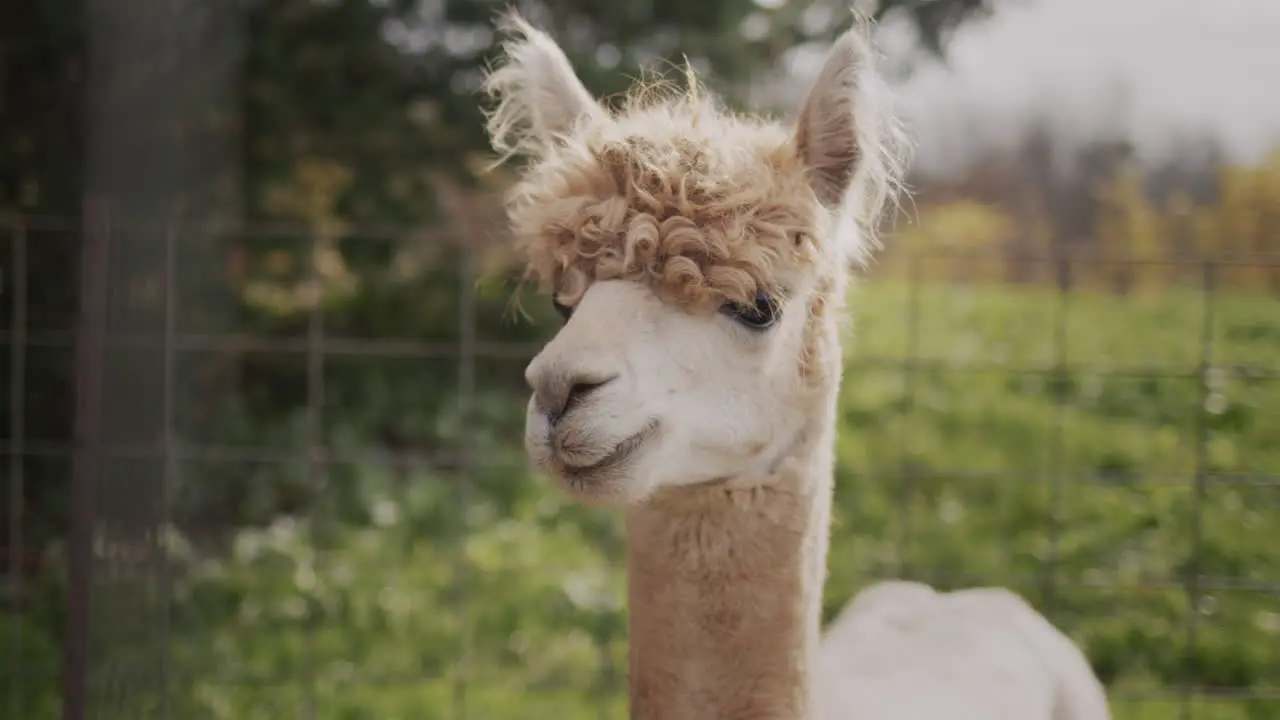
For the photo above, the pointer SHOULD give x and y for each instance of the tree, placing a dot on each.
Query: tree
(1130, 235)
(1245, 222)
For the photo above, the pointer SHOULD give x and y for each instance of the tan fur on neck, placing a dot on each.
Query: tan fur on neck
(725, 594)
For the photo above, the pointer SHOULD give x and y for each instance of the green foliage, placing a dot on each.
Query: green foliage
(34, 690)
(397, 599)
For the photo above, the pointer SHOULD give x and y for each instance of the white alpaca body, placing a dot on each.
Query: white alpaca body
(901, 651)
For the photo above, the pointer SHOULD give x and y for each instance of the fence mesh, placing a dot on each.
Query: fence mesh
(260, 523)
(266, 471)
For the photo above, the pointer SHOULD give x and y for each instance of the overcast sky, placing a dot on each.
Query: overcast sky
(1155, 66)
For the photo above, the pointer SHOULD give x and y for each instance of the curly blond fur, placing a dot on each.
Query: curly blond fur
(673, 190)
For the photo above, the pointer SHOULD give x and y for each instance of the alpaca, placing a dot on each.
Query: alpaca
(700, 260)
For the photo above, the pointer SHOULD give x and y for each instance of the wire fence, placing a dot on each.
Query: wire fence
(1107, 455)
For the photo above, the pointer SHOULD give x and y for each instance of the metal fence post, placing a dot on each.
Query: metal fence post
(89, 360)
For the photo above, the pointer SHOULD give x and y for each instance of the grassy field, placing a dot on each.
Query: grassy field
(1076, 448)
(1071, 447)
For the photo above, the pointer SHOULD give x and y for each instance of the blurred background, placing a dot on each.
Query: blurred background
(262, 390)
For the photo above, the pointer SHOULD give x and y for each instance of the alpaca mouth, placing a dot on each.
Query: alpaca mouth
(578, 474)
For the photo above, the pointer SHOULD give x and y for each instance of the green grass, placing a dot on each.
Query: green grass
(1068, 447)
(986, 439)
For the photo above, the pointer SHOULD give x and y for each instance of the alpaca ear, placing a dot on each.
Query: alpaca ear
(827, 129)
(536, 92)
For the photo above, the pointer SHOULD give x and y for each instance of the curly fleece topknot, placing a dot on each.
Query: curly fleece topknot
(671, 190)
(703, 208)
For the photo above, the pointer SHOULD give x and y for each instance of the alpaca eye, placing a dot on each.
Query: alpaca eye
(758, 315)
(564, 310)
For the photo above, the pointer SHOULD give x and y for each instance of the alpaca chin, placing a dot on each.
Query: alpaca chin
(601, 473)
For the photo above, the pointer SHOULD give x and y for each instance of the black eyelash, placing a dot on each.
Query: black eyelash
(759, 315)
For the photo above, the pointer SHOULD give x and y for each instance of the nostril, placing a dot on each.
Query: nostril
(577, 392)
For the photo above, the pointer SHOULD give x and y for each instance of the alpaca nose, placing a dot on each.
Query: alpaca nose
(556, 391)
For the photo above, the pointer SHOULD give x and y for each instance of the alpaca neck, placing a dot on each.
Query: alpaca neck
(725, 594)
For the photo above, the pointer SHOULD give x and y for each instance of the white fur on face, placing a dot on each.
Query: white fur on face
(692, 399)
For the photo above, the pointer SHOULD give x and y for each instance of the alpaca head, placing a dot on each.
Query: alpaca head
(698, 259)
